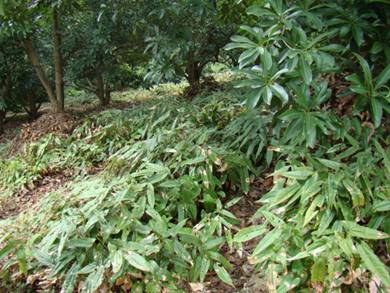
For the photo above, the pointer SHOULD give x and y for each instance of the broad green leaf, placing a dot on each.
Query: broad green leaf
(89, 268)
(314, 249)
(181, 251)
(254, 98)
(310, 130)
(358, 34)
(346, 245)
(241, 39)
(223, 274)
(268, 240)
(382, 206)
(117, 261)
(359, 231)
(137, 261)
(150, 195)
(357, 195)
(233, 202)
(290, 115)
(70, 279)
(266, 59)
(94, 280)
(376, 111)
(81, 242)
(213, 243)
(366, 69)
(298, 175)
(287, 284)
(330, 164)
(305, 70)
(386, 158)
(383, 78)
(373, 263)
(280, 92)
(311, 211)
(249, 233)
(204, 268)
(267, 95)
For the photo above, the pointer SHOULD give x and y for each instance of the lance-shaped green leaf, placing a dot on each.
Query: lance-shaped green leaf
(373, 263)
(356, 230)
(138, 261)
(268, 240)
(223, 274)
(249, 233)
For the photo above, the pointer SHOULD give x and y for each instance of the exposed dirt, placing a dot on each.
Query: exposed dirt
(28, 197)
(21, 131)
(342, 100)
(12, 126)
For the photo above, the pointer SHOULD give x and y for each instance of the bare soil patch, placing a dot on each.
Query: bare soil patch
(61, 124)
(28, 197)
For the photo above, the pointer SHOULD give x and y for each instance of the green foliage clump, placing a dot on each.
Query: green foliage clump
(326, 219)
(157, 211)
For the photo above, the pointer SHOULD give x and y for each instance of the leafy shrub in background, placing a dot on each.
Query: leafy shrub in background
(326, 220)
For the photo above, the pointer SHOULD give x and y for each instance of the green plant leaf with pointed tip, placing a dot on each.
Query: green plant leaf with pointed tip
(223, 274)
(373, 263)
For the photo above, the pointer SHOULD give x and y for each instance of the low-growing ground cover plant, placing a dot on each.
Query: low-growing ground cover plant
(156, 209)
(147, 204)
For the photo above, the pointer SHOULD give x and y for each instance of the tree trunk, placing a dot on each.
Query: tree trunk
(100, 88)
(193, 74)
(32, 105)
(33, 56)
(103, 92)
(4, 93)
(107, 95)
(2, 119)
(58, 66)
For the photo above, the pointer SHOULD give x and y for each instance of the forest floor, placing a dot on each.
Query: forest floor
(20, 132)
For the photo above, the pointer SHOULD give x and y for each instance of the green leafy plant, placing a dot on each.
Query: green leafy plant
(319, 225)
(158, 211)
(373, 91)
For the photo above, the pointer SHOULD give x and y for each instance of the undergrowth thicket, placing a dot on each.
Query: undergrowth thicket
(327, 217)
(158, 206)
(157, 214)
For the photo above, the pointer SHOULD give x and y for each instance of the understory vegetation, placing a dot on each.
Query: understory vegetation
(148, 202)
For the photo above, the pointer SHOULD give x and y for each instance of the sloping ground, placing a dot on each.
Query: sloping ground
(157, 193)
(27, 198)
(245, 278)
(163, 145)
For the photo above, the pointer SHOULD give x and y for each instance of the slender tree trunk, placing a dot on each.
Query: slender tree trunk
(4, 93)
(103, 92)
(58, 66)
(193, 75)
(2, 119)
(33, 56)
(107, 95)
(100, 88)
(32, 106)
